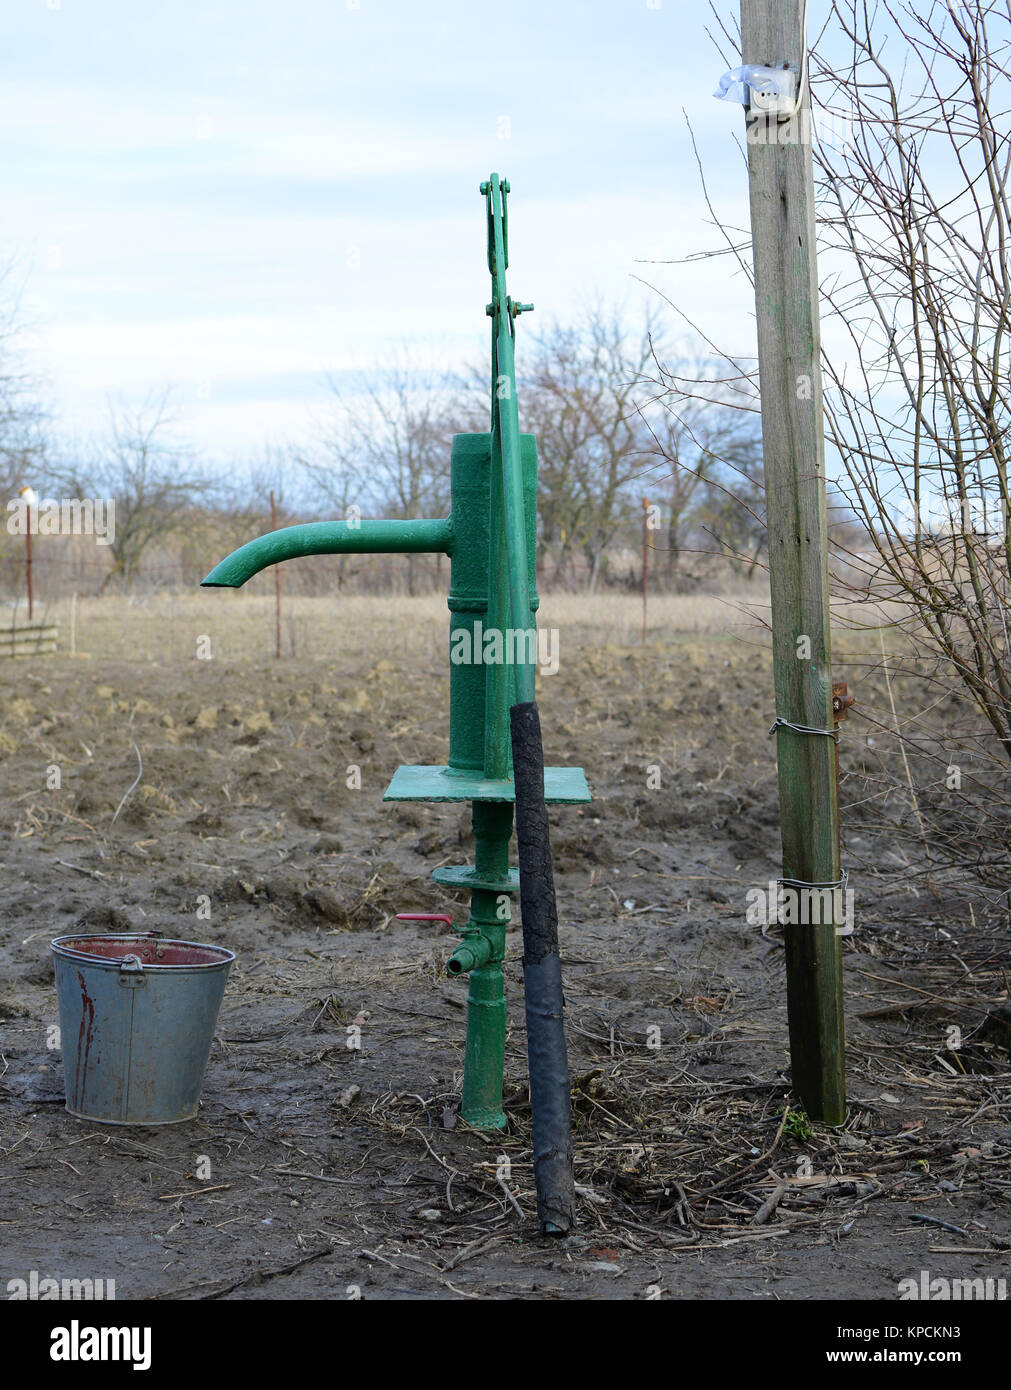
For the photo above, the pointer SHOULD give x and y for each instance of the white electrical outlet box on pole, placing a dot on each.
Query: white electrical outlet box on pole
(780, 99)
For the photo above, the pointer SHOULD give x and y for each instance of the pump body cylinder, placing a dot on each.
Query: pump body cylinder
(481, 693)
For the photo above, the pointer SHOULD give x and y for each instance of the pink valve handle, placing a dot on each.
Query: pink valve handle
(425, 917)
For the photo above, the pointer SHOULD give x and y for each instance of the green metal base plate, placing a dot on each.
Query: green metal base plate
(466, 876)
(562, 785)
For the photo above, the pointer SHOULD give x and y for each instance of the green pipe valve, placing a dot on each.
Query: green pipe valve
(473, 952)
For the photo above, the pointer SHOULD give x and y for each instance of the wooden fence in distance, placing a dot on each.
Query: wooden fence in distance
(28, 639)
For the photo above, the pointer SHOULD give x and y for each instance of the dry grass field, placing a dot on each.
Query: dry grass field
(679, 1146)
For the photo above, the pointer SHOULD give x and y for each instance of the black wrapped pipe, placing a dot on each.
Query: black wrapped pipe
(542, 981)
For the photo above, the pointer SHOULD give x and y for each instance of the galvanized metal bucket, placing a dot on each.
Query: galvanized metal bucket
(137, 1016)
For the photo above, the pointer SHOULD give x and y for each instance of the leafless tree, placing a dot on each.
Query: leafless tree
(385, 445)
(151, 474)
(914, 224)
(578, 386)
(607, 435)
(917, 232)
(917, 226)
(22, 418)
(709, 454)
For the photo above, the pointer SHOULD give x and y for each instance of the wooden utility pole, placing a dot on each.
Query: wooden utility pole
(781, 181)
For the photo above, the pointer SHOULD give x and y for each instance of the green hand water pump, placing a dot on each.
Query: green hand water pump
(495, 758)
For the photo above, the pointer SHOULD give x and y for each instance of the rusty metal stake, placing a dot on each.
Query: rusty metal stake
(842, 702)
(645, 562)
(28, 563)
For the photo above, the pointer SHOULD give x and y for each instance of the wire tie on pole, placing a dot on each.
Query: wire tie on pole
(802, 883)
(779, 723)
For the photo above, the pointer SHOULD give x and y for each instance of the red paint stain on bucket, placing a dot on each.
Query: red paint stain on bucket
(84, 1038)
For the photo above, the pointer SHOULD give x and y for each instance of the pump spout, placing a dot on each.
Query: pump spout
(471, 954)
(331, 538)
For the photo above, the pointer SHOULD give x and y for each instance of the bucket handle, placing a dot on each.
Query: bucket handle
(131, 973)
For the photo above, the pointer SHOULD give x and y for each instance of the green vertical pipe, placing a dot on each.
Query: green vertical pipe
(484, 1055)
(484, 1058)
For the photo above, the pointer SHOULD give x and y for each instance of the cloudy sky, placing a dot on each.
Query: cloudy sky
(236, 197)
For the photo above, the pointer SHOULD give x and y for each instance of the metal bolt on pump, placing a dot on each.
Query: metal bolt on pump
(490, 537)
